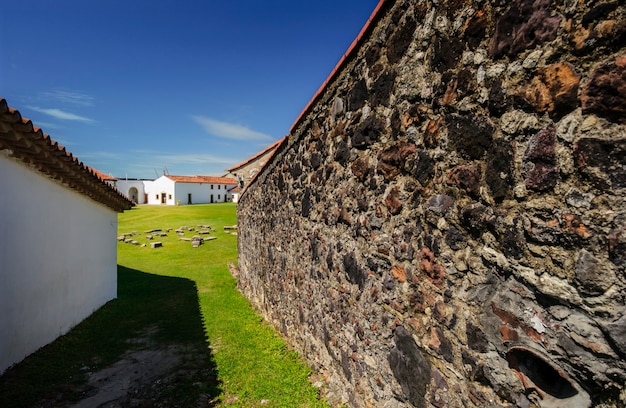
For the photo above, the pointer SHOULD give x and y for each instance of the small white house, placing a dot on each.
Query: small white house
(183, 190)
(234, 193)
(135, 189)
(58, 223)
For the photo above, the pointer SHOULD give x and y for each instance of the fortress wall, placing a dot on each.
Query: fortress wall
(446, 224)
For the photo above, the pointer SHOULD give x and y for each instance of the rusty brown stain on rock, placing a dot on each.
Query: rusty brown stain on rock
(393, 160)
(515, 322)
(508, 333)
(431, 133)
(554, 90)
(399, 273)
(466, 177)
(392, 201)
(431, 268)
(573, 224)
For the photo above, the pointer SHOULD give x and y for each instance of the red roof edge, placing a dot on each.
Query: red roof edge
(52, 160)
(346, 56)
(269, 159)
(377, 13)
(261, 153)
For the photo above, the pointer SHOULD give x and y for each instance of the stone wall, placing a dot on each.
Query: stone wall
(446, 224)
(246, 171)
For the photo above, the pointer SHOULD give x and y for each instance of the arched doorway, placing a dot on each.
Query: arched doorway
(133, 194)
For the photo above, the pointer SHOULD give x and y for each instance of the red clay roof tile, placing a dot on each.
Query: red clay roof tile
(202, 179)
(25, 142)
(261, 153)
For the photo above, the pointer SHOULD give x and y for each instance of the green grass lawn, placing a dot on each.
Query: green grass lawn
(253, 362)
(183, 295)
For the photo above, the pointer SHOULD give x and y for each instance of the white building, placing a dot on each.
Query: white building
(234, 193)
(135, 189)
(178, 190)
(58, 223)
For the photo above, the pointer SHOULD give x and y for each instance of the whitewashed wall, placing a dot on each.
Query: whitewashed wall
(125, 187)
(159, 186)
(201, 193)
(58, 260)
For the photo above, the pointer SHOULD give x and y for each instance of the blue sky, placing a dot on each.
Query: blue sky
(131, 87)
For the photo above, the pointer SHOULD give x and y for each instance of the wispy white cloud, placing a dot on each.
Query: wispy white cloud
(60, 114)
(101, 155)
(229, 130)
(193, 158)
(47, 125)
(69, 97)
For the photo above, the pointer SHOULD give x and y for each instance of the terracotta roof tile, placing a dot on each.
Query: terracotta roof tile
(203, 179)
(103, 176)
(25, 142)
(259, 154)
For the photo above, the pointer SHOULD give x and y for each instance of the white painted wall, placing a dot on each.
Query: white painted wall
(157, 188)
(126, 186)
(201, 193)
(58, 260)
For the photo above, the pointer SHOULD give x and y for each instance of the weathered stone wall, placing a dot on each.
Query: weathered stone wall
(446, 226)
(245, 172)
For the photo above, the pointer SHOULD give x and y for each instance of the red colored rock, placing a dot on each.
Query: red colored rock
(466, 177)
(392, 161)
(431, 134)
(605, 93)
(574, 225)
(392, 201)
(508, 333)
(361, 168)
(399, 273)
(397, 306)
(553, 90)
(540, 160)
(415, 324)
(434, 271)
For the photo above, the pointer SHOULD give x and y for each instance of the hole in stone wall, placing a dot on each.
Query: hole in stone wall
(541, 373)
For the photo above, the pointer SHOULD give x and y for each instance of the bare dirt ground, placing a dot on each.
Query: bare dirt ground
(150, 375)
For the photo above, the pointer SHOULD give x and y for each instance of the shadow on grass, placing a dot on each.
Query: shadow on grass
(151, 312)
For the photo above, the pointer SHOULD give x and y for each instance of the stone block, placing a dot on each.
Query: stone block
(553, 90)
(470, 136)
(523, 25)
(605, 93)
(408, 363)
(540, 160)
